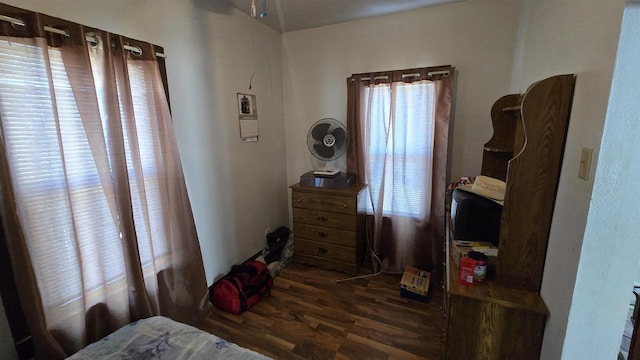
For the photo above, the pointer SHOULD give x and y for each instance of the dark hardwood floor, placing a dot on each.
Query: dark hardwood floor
(310, 316)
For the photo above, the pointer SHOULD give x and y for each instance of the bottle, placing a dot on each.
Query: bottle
(467, 266)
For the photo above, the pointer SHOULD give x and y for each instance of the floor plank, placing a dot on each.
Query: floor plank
(310, 316)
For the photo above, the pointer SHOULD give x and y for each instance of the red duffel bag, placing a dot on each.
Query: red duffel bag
(239, 290)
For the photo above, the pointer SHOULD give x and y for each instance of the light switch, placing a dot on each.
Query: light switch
(585, 163)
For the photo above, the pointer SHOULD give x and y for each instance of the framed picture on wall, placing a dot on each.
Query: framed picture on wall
(248, 117)
(247, 106)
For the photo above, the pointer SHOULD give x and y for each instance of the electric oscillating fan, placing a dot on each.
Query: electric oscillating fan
(327, 140)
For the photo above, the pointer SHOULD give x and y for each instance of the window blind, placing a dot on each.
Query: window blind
(62, 205)
(401, 146)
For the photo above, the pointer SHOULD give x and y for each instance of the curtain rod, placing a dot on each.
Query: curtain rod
(375, 78)
(19, 22)
(441, 72)
(404, 76)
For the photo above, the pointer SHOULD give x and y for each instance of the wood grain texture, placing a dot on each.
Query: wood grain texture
(329, 235)
(489, 321)
(327, 229)
(324, 218)
(334, 200)
(487, 331)
(493, 292)
(500, 148)
(349, 268)
(329, 251)
(310, 316)
(532, 182)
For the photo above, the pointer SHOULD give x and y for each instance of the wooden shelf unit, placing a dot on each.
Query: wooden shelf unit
(504, 318)
(532, 182)
(489, 321)
(505, 118)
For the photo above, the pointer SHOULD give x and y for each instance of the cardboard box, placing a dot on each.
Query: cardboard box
(415, 283)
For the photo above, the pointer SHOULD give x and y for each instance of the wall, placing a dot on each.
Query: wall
(606, 273)
(7, 348)
(236, 190)
(477, 37)
(572, 36)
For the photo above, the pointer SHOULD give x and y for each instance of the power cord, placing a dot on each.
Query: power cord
(380, 271)
(365, 275)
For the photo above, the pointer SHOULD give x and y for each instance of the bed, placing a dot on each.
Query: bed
(162, 338)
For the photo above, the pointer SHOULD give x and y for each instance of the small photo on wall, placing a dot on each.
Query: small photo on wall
(247, 106)
(248, 118)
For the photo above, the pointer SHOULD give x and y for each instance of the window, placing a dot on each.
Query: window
(35, 139)
(65, 207)
(92, 196)
(401, 125)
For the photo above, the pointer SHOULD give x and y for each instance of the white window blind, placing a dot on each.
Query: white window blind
(150, 225)
(61, 203)
(73, 239)
(400, 151)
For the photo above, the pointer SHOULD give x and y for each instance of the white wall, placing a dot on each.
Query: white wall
(572, 36)
(7, 348)
(478, 37)
(236, 190)
(606, 273)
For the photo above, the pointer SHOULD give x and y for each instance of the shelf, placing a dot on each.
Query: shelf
(512, 108)
(498, 150)
(490, 291)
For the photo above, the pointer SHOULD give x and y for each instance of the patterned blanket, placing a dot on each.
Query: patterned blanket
(162, 338)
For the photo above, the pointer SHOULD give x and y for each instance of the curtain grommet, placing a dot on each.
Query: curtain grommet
(19, 26)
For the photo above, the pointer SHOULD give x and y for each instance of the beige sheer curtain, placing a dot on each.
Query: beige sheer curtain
(399, 126)
(98, 224)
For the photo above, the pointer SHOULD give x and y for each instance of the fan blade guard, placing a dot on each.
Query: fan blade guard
(324, 151)
(328, 139)
(320, 130)
(340, 136)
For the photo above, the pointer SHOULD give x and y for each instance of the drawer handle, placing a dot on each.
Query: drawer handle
(299, 200)
(322, 234)
(345, 206)
(323, 250)
(323, 219)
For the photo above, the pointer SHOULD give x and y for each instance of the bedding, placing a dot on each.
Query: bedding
(162, 338)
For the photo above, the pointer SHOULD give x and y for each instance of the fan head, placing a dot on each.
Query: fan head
(328, 139)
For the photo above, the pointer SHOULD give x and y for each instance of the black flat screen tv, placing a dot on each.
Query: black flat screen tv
(474, 217)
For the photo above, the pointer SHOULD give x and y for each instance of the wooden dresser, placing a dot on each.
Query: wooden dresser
(327, 229)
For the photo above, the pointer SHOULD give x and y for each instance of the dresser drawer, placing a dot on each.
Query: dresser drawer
(324, 219)
(325, 234)
(338, 204)
(324, 250)
(325, 263)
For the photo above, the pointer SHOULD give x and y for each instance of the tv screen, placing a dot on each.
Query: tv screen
(474, 217)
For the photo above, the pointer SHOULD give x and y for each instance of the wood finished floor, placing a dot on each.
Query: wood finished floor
(310, 316)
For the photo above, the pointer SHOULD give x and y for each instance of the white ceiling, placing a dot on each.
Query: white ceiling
(291, 15)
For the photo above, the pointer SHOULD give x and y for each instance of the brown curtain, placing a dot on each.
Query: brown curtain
(98, 223)
(398, 125)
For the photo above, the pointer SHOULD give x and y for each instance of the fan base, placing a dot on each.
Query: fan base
(326, 172)
(339, 181)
